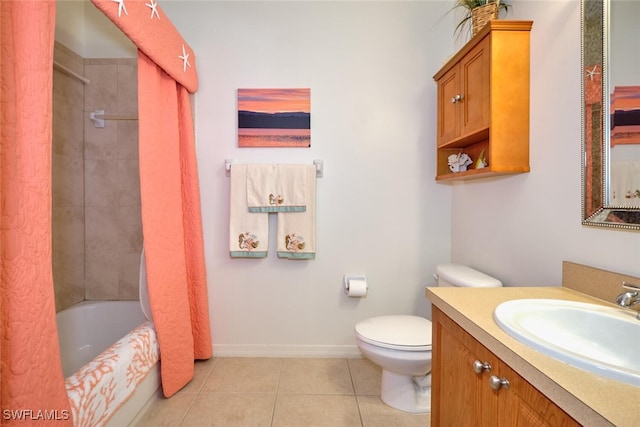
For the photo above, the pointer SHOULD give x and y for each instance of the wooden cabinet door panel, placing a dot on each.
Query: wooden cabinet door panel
(464, 397)
(475, 88)
(522, 405)
(448, 112)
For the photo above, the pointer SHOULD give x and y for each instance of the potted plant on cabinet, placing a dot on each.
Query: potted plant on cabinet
(478, 12)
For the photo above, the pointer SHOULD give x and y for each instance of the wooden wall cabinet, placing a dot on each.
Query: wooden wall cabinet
(462, 393)
(483, 102)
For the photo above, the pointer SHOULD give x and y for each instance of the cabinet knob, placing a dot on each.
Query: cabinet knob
(497, 383)
(479, 367)
(457, 99)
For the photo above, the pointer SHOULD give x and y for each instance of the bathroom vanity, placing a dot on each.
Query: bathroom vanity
(541, 390)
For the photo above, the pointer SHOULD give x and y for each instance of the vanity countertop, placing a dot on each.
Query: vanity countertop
(591, 399)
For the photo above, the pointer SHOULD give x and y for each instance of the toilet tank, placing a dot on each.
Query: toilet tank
(457, 275)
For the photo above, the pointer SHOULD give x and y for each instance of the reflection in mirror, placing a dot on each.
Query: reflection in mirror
(611, 136)
(624, 107)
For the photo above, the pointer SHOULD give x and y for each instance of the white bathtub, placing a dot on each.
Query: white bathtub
(88, 333)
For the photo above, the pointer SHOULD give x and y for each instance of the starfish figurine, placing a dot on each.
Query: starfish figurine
(185, 59)
(592, 73)
(154, 8)
(121, 7)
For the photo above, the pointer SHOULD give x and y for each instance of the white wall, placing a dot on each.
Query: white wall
(369, 66)
(520, 228)
(83, 28)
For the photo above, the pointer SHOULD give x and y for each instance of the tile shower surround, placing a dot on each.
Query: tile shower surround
(97, 228)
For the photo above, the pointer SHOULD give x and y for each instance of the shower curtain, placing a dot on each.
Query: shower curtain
(31, 381)
(171, 224)
(169, 190)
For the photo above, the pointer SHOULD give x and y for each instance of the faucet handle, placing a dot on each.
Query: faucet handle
(631, 286)
(625, 299)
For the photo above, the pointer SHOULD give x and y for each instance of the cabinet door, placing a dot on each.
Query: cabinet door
(522, 405)
(448, 111)
(463, 397)
(475, 69)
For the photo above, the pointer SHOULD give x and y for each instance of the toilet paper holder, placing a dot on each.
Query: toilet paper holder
(348, 279)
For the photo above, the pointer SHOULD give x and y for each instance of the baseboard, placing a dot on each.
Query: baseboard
(274, 350)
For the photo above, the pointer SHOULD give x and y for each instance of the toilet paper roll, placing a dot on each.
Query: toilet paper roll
(357, 288)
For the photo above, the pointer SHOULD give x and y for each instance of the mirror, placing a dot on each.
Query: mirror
(610, 135)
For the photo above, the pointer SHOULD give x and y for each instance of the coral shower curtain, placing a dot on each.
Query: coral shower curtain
(171, 224)
(31, 380)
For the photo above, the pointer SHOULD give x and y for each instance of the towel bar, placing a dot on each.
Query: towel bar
(318, 163)
(98, 117)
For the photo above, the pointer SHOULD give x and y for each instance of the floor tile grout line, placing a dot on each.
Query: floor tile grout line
(275, 398)
(197, 393)
(355, 393)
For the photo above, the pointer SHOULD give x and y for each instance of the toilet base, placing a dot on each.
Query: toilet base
(400, 392)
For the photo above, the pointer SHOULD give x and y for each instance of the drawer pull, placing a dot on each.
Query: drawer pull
(479, 367)
(497, 383)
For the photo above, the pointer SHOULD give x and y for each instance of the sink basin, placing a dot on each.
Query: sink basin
(599, 339)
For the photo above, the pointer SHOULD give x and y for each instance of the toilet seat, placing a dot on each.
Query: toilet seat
(397, 332)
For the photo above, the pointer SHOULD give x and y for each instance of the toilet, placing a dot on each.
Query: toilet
(401, 345)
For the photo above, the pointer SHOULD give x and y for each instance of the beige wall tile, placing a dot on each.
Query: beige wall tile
(96, 170)
(67, 180)
(128, 182)
(101, 182)
(68, 231)
(127, 139)
(67, 91)
(101, 259)
(128, 276)
(102, 92)
(68, 255)
(100, 143)
(101, 229)
(101, 276)
(128, 88)
(68, 58)
(129, 230)
(68, 132)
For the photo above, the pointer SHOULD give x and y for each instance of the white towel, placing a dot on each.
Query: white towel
(248, 232)
(297, 230)
(625, 183)
(276, 188)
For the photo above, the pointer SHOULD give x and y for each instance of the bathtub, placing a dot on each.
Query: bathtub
(109, 356)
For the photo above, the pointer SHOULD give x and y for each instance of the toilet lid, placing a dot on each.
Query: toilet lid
(403, 332)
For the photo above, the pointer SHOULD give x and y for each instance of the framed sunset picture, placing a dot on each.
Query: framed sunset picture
(274, 117)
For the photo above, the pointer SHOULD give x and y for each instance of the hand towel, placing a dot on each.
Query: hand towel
(248, 232)
(276, 188)
(297, 230)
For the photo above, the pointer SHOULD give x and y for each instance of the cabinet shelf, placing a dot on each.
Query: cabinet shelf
(483, 102)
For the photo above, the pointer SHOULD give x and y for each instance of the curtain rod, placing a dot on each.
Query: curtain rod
(68, 72)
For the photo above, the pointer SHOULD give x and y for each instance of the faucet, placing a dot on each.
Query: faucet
(630, 298)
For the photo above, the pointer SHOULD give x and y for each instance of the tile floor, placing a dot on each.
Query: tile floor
(256, 392)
